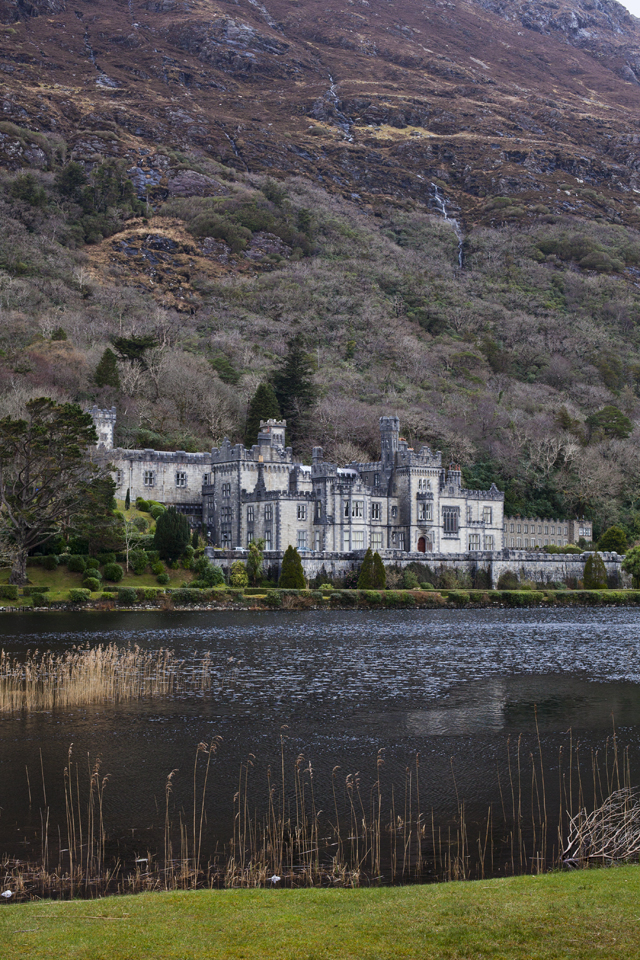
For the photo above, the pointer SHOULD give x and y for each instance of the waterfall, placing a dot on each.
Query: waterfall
(442, 207)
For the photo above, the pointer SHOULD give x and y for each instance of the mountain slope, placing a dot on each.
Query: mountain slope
(364, 96)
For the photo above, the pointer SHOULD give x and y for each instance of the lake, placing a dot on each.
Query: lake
(353, 693)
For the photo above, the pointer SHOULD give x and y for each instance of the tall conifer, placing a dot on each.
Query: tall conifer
(263, 406)
(294, 389)
(106, 374)
(291, 573)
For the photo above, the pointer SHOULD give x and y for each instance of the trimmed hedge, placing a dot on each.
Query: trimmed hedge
(76, 564)
(91, 583)
(127, 595)
(32, 591)
(8, 592)
(78, 595)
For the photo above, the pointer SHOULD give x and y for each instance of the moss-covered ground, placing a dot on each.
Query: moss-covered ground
(587, 914)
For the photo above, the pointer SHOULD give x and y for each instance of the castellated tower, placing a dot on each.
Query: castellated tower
(105, 423)
(389, 435)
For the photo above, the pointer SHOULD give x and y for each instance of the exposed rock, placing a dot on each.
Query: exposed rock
(190, 183)
(265, 244)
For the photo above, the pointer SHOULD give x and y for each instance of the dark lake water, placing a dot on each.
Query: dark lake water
(336, 687)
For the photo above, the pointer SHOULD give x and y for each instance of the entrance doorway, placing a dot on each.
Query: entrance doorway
(422, 545)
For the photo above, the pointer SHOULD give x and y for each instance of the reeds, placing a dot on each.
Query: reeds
(83, 675)
(381, 832)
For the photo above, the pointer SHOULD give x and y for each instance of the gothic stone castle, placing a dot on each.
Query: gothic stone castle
(405, 503)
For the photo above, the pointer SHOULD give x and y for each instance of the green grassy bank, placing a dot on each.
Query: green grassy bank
(593, 913)
(63, 591)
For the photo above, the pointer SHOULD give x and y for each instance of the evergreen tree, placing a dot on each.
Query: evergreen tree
(106, 374)
(379, 573)
(294, 389)
(292, 574)
(254, 561)
(613, 539)
(239, 577)
(127, 499)
(365, 580)
(172, 534)
(263, 406)
(595, 573)
(195, 539)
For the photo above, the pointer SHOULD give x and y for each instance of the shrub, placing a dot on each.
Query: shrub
(187, 558)
(631, 563)
(113, 572)
(187, 596)
(8, 592)
(172, 534)
(105, 558)
(107, 595)
(127, 595)
(409, 580)
(78, 595)
(239, 577)
(291, 574)
(207, 574)
(163, 579)
(508, 580)
(50, 562)
(33, 591)
(142, 505)
(157, 568)
(76, 564)
(92, 563)
(326, 586)
(595, 573)
(91, 583)
(156, 511)
(459, 597)
(427, 586)
(138, 560)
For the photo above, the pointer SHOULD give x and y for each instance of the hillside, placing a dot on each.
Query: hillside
(220, 177)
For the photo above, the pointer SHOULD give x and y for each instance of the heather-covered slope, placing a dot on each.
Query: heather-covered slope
(221, 176)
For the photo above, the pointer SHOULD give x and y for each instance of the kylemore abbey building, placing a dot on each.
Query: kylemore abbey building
(406, 502)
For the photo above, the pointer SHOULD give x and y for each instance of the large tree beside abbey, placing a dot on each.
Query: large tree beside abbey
(46, 477)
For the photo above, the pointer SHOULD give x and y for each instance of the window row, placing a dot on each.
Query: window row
(475, 542)
(518, 543)
(524, 528)
(253, 513)
(149, 478)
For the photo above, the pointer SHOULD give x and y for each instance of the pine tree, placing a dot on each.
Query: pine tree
(172, 534)
(365, 580)
(106, 374)
(294, 389)
(379, 573)
(595, 573)
(263, 406)
(292, 574)
(195, 539)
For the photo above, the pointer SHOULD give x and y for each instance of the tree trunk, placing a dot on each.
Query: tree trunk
(19, 570)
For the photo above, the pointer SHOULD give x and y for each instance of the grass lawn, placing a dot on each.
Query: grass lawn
(585, 914)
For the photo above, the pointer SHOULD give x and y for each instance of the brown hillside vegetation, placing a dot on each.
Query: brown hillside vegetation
(246, 172)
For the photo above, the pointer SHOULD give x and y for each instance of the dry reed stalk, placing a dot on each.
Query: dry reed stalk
(45, 681)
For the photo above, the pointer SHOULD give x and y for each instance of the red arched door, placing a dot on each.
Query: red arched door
(422, 545)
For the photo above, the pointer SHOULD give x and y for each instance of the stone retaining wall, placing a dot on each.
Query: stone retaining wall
(535, 566)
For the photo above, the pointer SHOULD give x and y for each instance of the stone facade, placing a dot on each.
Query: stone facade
(404, 503)
(526, 533)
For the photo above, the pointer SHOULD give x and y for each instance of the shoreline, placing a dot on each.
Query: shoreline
(190, 600)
